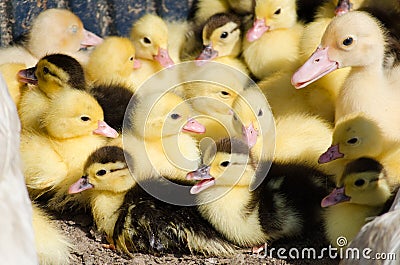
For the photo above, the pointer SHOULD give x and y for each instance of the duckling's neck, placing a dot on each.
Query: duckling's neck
(233, 214)
(105, 207)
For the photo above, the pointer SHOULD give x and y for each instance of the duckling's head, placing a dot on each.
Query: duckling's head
(106, 169)
(354, 39)
(59, 30)
(364, 181)
(114, 57)
(158, 116)
(271, 15)
(221, 36)
(150, 38)
(55, 72)
(354, 136)
(229, 165)
(75, 113)
(251, 116)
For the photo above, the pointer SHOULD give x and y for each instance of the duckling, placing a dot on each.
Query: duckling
(150, 37)
(52, 74)
(17, 236)
(357, 135)
(73, 127)
(52, 247)
(358, 35)
(222, 40)
(276, 208)
(52, 31)
(272, 43)
(10, 73)
(152, 134)
(381, 234)
(361, 192)
(133, 219)
(113, 60)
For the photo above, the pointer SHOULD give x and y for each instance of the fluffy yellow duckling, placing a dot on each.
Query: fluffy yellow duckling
(52, 31)
(357, 135)
(52, 247)
(150, 37)
(133, 219)
(52, 74)
(356, 40)
(155, 134)
(222, 40)
(73, 127)
(283, 205)
(362, 191)
(272, 43)
(113, 60)
(10, 74)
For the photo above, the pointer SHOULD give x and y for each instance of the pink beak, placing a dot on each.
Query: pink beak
(194, 126)
(90, 39)
(331, 154)
(163, 58)
(336, 196)
(257, 30)
(136, 64)
(208, 53)
(251, 134)
(105, 130)
(343, 7)
(317, 66)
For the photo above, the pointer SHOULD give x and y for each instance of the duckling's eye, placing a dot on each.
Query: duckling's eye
(359, 182)
(348, 41)
(131, 59)
(175, 116)
(352, 140)
(101, 172)
(74, 28)
(224, 93)
(235, 117)
(224, 164)
(278, 11)
(260, 113)
(224, 35)
(46, 70)
(146, 40)
(85, 118)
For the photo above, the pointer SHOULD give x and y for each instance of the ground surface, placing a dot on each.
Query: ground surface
(89, 250)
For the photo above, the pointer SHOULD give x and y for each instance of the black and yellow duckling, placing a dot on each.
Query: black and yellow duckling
(134, 220)
(285, 204)
(52, 74)
(362, 192)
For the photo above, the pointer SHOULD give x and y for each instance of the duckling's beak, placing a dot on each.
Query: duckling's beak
(136, 64)
(81, 185)
(104, 129)
(28, 76)
(317, 66)
(343, 7)
(202, 174)
(90, 39)
(250, 134)
(208, 53)
(331, 154)
(163, 58)
(336, 196)
(194, 126)
(257, 30)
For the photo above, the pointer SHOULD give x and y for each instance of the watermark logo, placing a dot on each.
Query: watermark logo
(180, 112)
(341, 241)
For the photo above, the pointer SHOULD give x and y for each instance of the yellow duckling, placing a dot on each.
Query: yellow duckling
(73, 127)
(272, 43)
(52, 31)
(362, 192)
(112, 61)
(222, 40)
(133, 219)
(10, 74)
(52, 74)
(150, 37)
(155, 134)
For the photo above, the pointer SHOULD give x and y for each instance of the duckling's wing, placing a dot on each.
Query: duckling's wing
(17, 245)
